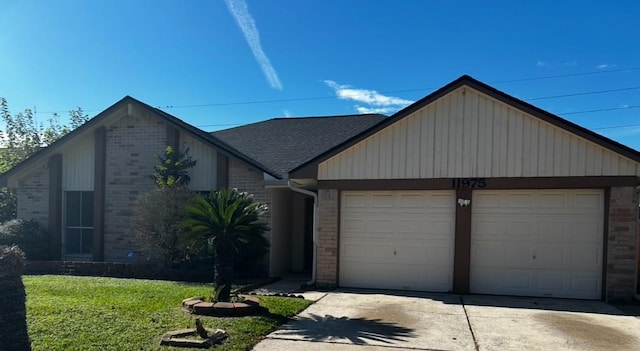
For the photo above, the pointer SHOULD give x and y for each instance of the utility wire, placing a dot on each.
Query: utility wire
(424, 89)
(567, 75)
(614, 127)
(583, 93)
(600, 110)
(252, 102)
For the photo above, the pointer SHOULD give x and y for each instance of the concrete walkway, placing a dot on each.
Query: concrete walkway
(388, 320)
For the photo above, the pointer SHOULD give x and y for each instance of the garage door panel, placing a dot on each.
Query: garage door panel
(587, 256)
(552, 201)
(397, 239)
(586, 230)
(491, 254)
(551, 248)
(442, 201)
(354, 200)
(383, 276)
(589, 201)
(382, 201)
(410, 201)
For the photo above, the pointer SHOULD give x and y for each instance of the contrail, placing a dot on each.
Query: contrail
(240, 12)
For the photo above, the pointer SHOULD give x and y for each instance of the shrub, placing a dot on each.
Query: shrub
(12, 260)
(29, 235)
(13, 312)
(156, 225)
(8, 205)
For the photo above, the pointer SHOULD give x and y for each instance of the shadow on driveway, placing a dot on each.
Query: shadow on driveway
(359, 331)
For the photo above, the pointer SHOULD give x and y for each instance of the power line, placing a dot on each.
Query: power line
(614, 127)
(567, 75)
(583, 93)
(601, 110)
(254, 102)
(424, 89)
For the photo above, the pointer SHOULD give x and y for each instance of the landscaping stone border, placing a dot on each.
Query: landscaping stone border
(198, 305)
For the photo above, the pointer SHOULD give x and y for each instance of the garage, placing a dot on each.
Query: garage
(397, 239)
(525, 202)
(537, 243)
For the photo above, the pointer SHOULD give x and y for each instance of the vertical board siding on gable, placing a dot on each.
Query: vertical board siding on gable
(469, 134)
(78, 166)
(204, 174)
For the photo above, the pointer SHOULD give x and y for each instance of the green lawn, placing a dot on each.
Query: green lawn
(90, 313)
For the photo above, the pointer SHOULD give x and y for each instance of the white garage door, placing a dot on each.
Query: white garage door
(397, 239)
(537, 243)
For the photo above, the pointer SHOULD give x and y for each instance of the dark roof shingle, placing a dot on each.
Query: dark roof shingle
(282, 144)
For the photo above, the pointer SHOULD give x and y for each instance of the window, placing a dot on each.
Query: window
(78, 222)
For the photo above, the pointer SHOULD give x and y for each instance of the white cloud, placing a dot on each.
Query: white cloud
(378, 110)
(541, 64)
(240, 12)
(378, 103)
(606, 65)
(286, 113)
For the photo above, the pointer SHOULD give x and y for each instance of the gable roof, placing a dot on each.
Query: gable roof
(310, 168)
(99, 118)
(282, 144)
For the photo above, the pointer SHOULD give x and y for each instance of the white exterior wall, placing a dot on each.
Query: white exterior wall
(469, 134)
(78, 165)
(203, 175)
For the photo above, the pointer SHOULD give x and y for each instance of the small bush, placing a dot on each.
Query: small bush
(8, 205)
(12, 260)
(156, 225)
(29, 235)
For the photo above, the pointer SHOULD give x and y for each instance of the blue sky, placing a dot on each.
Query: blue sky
(221, 63)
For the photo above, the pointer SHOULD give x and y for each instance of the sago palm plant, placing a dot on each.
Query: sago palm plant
(227, 218)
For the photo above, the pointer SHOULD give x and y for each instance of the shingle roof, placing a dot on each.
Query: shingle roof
(282, 144)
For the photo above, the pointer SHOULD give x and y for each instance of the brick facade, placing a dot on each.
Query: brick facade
(33, 196)
(327, 245)
(621, 244)
(131, 145)
(246, 178)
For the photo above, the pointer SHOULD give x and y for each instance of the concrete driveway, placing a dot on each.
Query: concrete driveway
(387, 321)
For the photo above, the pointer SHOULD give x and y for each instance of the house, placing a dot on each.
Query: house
(468, 190)
(83, 187)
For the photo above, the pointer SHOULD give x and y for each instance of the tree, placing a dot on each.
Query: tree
(158, 214)
(227, 218)
(173, 169)
(22, 137)
(13, 313)
(156, 224)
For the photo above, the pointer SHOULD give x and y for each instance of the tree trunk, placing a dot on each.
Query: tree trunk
(223, 274)
(13, 314)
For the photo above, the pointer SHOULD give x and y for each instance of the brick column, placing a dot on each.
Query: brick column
(621, 244)
(327, 254)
